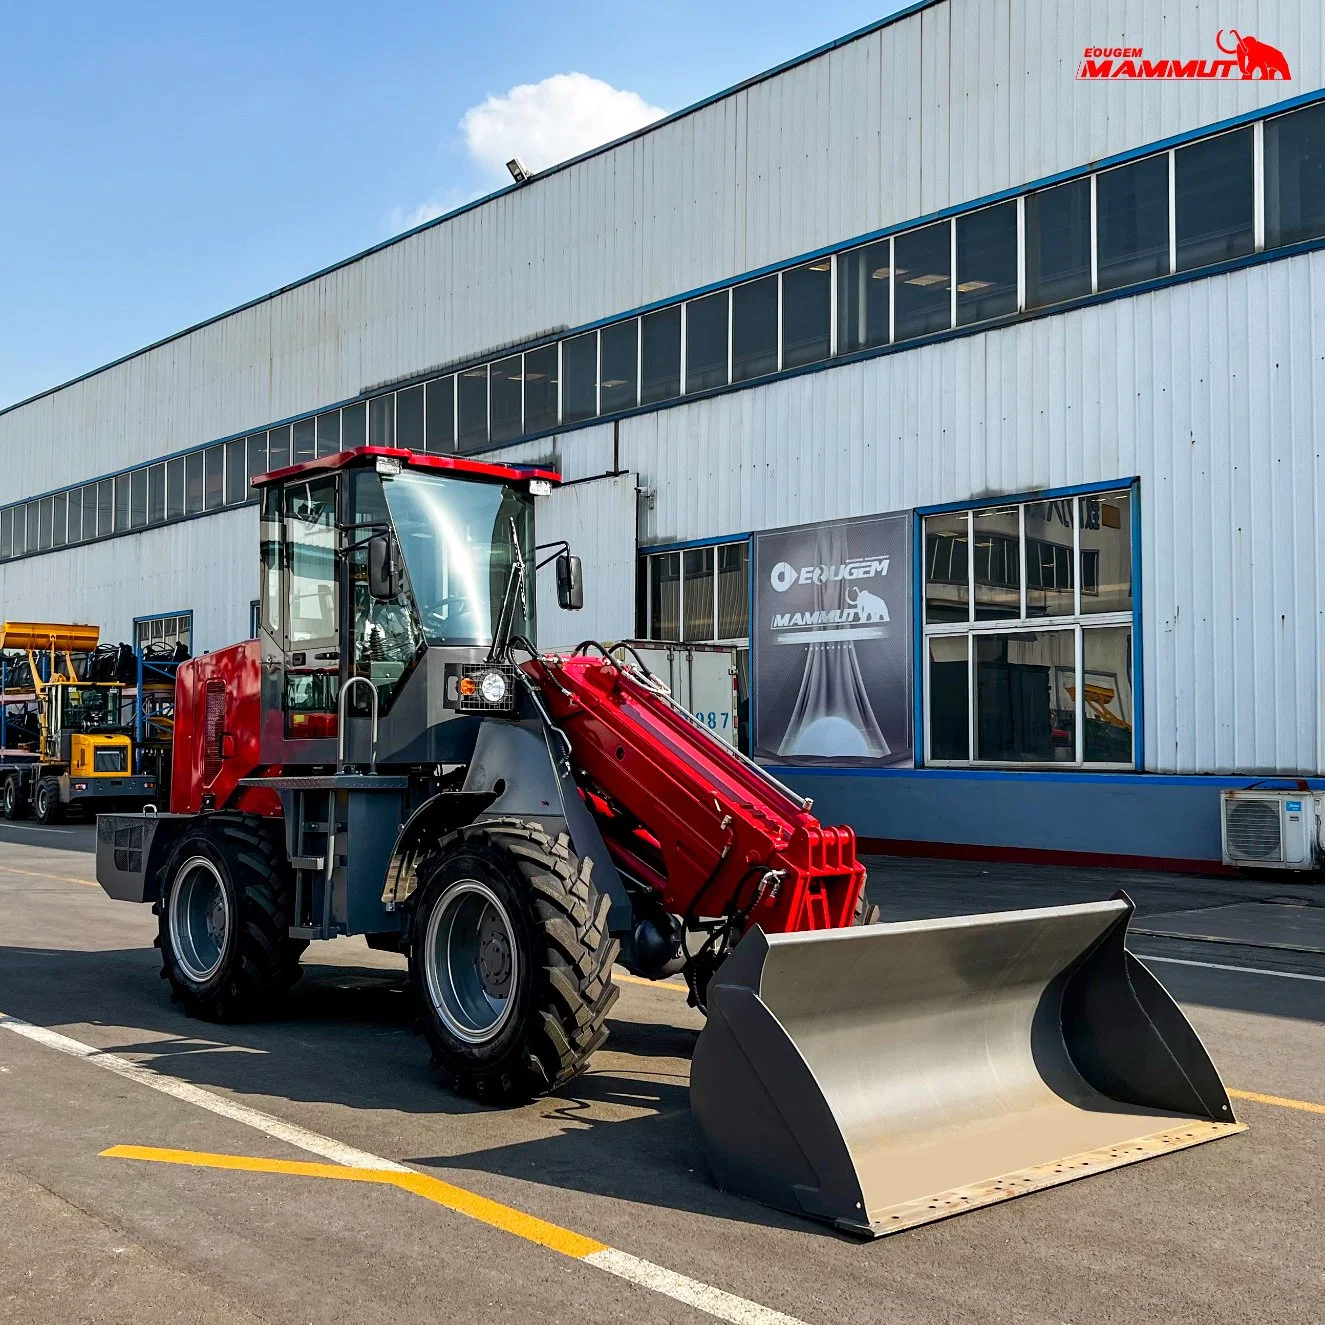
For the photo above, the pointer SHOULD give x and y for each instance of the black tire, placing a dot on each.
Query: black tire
(14, 802)
(559, 976)
(242, 860)
(46, 805)
(866, 914)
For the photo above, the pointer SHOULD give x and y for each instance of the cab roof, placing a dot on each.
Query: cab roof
(456, 464)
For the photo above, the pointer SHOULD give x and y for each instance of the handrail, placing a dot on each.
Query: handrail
(341, 724)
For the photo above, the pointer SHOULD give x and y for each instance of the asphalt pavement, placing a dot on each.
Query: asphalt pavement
(310, 1168)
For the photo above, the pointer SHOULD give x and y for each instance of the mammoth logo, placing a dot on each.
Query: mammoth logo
(870, 606)
(1256, 59)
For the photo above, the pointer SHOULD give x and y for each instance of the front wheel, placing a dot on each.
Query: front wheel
(510, 960)
(46, 803)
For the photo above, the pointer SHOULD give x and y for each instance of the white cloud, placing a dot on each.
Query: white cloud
(544, 123)
(406, 218)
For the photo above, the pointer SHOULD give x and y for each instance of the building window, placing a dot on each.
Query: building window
(922, 298)
(121, 502)
(236, 473)
(73, 518)
(987, 263)
(195, 480)
(409, 418)
(7, 532)
(700, 595)
(382, 421)
(156, 492)
(328, 433)
(305, 441)
(618, 367)
(755, 329)
(1029, 633)
(138, 499)
(1058, 243)
(256, 447)
(579, 378)
(439, 415)
(43, 524)
(540, 389)
(1213, 199)
(506, 383)
(472, 408)
(105, 511)
(278, 449)
(213, 485)
(660, 355)
(706, 337)
(165, 634)
(1295, 176)
(864, 303)
(1132, 222)
(353, 427)
(807, 310)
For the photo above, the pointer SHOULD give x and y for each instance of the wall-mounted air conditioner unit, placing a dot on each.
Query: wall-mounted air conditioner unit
(1273, 829)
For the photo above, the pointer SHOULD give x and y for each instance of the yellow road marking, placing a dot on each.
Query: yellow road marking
(648, 984)
(1279, 1101)
(60, 878)
(463, 1202)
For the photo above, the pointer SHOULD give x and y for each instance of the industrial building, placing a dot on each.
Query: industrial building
(966, 375)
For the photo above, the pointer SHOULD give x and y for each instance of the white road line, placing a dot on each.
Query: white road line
(645, 1274)
(275, 1127)
(704, 1297)
(1244, 970)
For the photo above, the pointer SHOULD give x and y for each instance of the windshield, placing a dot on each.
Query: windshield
(91, 706)
(458, 538)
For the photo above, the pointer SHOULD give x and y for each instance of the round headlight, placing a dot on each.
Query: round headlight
(493, 687)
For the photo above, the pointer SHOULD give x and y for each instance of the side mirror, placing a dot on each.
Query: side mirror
(384, 580)
(570, 583)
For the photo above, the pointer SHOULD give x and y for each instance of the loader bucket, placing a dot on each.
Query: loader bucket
(886, 1076)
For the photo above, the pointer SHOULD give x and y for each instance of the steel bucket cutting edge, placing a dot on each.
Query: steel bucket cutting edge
(886, 1076)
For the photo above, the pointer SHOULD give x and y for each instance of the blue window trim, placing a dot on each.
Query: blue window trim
(657, 549)
(1133, 487)
(1267, 781)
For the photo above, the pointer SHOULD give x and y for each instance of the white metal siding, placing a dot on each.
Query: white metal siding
(950, 104)
(208, 566)
(1213, 393)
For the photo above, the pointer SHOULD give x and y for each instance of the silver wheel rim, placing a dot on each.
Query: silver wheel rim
(43, 795)
(199, 918)
(471, 962)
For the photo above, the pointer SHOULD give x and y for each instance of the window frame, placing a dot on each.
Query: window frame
(1076, 621)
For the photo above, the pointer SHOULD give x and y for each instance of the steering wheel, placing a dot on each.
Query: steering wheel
(437, 611)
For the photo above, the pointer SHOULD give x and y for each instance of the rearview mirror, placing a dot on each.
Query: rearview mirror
(570, 583)
(384, 580)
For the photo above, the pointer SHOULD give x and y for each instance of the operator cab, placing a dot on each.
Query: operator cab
(392, 574)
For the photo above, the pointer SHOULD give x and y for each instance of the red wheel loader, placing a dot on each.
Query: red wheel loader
(393, 757)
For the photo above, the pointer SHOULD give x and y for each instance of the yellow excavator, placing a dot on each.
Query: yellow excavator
(79, 758)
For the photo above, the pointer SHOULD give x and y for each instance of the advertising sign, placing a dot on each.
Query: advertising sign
(832, 643)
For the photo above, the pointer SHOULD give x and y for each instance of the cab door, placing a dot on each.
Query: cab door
(300, 620)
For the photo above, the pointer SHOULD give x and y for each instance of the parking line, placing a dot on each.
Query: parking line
(1243, 970)
(58, 878)
(634, 1269)
(1279, 1101)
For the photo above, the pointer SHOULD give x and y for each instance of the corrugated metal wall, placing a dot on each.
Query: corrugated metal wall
(208, 566)
(955, 102)
(1213, 393)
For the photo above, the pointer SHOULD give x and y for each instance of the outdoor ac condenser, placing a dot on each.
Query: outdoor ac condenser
(1273, 829)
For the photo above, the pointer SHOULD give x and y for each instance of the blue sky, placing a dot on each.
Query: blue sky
(164, 162)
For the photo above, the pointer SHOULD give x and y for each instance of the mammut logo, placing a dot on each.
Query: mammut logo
(1252, 59)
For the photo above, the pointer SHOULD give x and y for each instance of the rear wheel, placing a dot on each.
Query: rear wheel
(15, 803)
(223, 920)
(510, 960)
(46, 803)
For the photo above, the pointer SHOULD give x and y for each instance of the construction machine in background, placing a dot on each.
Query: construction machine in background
(71, 751)
(394, 757)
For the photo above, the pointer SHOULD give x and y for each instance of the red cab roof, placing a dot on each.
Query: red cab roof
(456, 464)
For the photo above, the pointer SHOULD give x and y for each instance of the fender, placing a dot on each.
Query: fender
(518, 770)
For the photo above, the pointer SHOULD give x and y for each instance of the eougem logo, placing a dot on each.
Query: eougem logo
(1251, 58)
